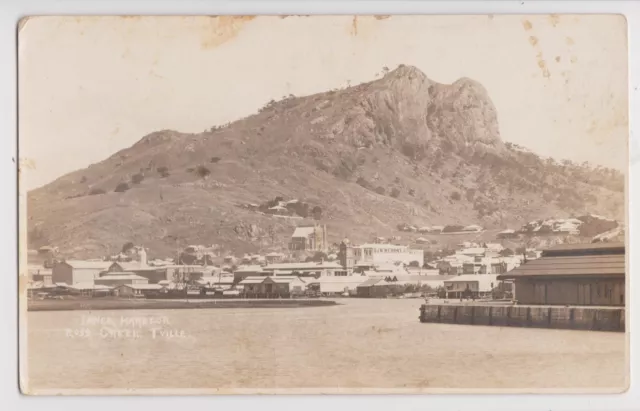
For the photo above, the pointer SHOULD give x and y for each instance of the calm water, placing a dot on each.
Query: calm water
(362, 344)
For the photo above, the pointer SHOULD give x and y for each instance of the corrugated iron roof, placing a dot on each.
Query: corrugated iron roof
(582, 247)
(121, 276)
(98, 265)
(612, 264)
(143, 286)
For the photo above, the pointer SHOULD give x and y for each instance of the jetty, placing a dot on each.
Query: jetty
(533, 316)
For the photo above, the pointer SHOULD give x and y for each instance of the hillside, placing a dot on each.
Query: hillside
(400, 149)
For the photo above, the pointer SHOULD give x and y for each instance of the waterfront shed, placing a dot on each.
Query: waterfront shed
(77, 271)
(572, 274)
(374, 288)
(470, 285)
(115, 279)
(139, 290)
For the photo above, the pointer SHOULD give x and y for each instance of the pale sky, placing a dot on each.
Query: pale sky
(89, 87)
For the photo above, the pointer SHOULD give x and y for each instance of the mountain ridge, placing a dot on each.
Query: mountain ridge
(398, 149)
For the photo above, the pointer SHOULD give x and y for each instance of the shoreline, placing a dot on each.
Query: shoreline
(161, 304)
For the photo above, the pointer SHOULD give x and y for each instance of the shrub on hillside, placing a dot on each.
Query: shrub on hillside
(163, 171)
(137, 178)
(362, 182)
(455, 196)
(215, 159)
(96, 191)
(380, 190)
(395, 192)
(202, 171)
(83, 179)
(345, 168)
(470, 194)
(121, 188)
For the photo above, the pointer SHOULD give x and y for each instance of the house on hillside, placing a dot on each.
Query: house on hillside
(506, 234)
(572, 274)
(472, 228)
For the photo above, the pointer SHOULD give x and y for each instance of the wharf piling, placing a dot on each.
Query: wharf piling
(572, 318)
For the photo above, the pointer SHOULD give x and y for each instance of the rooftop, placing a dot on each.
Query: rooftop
(303, 232)
(143, 286)
(96, 265)
(379, 246)
(612, 264)
(249, 269)
(589, 246)
(303, 266)
(121, 276)
(90, 286)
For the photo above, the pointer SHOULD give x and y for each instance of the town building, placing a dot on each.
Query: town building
(470, 285)
(114, 279)
(151, 273)
(337, 285)
(221, 282)
(230, 260)
(268, 287)
(245, 271)
(89, 289)
(507, 234)
(274, 257)
(387, 253)
(374, 288)
(139, 290)
(78, 271)
(309, 238)
(306, 269)
(572, 274)
(39, 274)
(346, 256)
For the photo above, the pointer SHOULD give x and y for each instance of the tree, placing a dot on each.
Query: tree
(121, 188)
(317, 257)
(317, 213)
(202, 171)
(415, 264)
(127, 246)
(163, 171)
(137, 178)
(507, 252)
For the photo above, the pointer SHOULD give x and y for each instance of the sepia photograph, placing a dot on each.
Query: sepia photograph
(339, 204)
